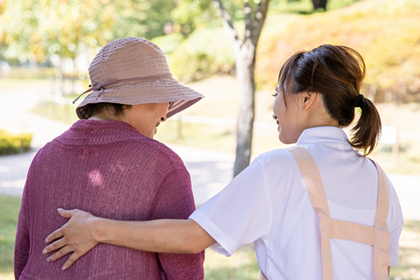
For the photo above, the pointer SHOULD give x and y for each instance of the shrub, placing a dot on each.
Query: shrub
(169, 43)
(14, 143)
(206, 52)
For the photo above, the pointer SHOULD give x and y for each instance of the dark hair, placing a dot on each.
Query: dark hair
(336, 72)
(89, 110)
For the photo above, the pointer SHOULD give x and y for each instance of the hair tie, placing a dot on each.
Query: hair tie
(358, 100)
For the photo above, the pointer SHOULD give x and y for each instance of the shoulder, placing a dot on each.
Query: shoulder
(279, 158)
(155, 157)
(164, 153)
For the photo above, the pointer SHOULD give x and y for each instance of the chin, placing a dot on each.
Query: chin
(287, 140)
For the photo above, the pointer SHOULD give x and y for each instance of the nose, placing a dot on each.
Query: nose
(163, 118)
(274, 116)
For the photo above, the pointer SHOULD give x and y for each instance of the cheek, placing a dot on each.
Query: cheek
(276, 106)
(288, 130)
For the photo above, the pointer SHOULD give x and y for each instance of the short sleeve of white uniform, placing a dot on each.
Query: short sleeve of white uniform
(395, 225)
(240, 213)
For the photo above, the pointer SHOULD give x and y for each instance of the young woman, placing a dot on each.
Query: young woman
(320, 210)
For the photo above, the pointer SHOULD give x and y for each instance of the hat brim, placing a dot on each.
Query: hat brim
(145, 92)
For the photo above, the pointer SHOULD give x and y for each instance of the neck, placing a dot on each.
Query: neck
(106, 116)
(318, 116)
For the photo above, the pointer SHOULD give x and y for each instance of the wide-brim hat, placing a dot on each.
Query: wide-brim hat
(134, 71)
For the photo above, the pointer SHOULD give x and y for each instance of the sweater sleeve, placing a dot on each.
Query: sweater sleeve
(22, 244)
(175, 201)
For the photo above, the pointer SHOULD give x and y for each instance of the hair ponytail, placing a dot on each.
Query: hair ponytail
(337, 73)
(367, 130)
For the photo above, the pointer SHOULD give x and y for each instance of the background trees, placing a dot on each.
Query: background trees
(34, 30)
(194, 38)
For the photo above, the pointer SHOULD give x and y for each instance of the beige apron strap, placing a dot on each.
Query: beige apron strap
(319, 202)
(378, 236)
(382, 256)
(352, 232)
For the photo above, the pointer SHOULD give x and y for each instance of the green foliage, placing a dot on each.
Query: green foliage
(195, 14)
(14, 143)
(205, 52)
(169, 43)
(141, 18)
(33, 30)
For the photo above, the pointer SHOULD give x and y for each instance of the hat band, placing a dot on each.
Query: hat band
(101, 87)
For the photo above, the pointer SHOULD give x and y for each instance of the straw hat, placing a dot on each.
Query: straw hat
(134, 71)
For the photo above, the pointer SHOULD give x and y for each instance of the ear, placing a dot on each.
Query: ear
(308, 100)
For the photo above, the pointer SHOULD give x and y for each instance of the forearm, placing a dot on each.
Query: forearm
(163, 236)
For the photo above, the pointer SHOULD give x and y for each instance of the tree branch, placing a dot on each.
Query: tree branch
(259, 19)
(227, 23)
(248, 21)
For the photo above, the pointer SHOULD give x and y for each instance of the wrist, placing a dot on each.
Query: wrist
(99, 232)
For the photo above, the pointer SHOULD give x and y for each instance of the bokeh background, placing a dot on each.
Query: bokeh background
(46, 47)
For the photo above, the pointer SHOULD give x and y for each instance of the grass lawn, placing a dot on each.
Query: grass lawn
(9, 210)
(242, 265)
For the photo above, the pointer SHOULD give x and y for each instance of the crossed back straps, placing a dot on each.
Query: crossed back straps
(377, 236)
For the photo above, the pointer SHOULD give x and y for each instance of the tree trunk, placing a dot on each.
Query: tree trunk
(245, 51)
(245, 65)
(319, 4)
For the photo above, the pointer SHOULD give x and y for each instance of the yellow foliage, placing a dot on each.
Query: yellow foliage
(14, 143)
(385, 32)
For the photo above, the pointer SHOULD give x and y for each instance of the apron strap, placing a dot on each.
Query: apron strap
(381, 255)
(379, 236)
(316, 192)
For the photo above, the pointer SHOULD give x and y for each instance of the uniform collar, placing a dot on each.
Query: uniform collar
(323, 134)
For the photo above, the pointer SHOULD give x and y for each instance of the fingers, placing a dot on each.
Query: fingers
(54, 246)
(60, 253)
(73, 258)
(55, 235)
(66, 213)
(75, 236)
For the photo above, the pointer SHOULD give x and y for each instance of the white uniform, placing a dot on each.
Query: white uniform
(268, 204)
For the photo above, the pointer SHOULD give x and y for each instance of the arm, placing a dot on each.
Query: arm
(84, 231)
(175, 200)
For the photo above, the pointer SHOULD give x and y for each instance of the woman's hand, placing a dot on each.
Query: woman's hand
(84, 231)
(75, 236)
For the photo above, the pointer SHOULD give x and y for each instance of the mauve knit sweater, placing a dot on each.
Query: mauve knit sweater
(112, 171)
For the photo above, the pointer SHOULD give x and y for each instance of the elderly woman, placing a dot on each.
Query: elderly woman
(107, 163)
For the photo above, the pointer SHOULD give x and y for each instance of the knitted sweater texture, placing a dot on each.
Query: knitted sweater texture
(111, 170)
